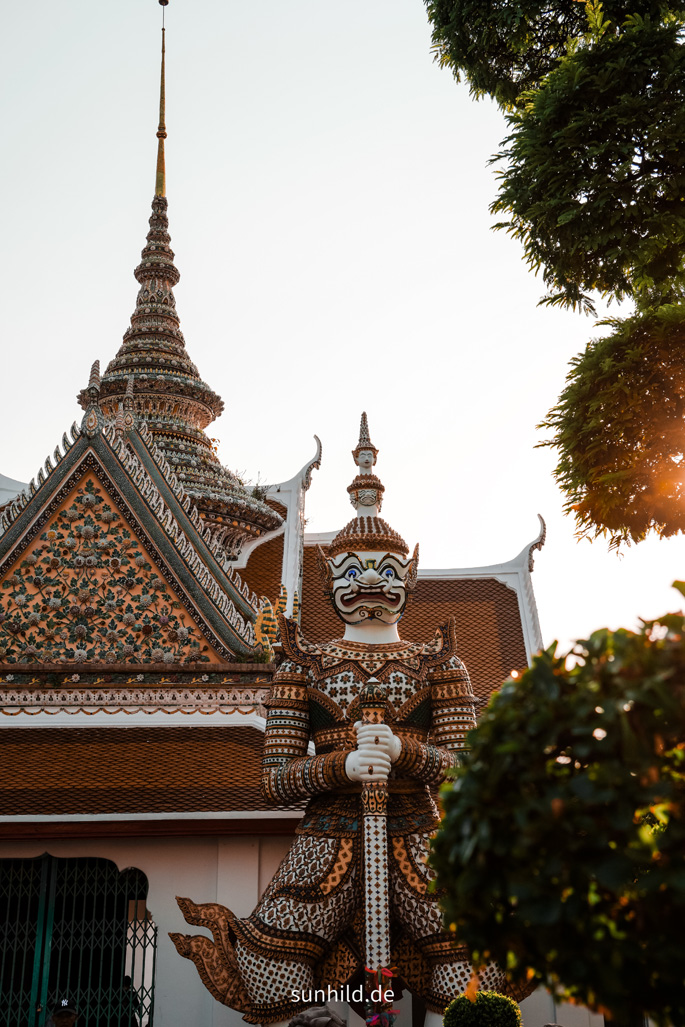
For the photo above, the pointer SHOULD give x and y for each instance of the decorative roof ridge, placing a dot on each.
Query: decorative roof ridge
(149, 491)
(244, 589)
(190, 508)
(13, 509)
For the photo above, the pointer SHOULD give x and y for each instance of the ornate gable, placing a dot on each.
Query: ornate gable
(87, 589)
(108, 560)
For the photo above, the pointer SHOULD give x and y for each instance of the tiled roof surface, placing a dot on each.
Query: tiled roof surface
(489, 631)
(278, 507)
(264, 567)
(53, 771)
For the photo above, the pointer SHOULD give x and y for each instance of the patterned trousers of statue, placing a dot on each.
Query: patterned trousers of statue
(307, 932)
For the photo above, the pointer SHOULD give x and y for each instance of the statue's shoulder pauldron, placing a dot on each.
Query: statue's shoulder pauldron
(295, 646)
(442, 646)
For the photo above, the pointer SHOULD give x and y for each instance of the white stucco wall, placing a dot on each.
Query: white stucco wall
(540, 1008)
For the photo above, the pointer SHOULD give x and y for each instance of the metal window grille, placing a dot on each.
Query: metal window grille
(80, 929)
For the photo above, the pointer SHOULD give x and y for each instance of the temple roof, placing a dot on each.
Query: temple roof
(109, 561)
(117, 772)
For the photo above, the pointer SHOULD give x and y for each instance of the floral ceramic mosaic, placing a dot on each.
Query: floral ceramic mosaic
(87, 591)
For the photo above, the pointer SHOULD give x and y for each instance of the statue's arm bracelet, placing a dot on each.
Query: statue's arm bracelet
(423, 761)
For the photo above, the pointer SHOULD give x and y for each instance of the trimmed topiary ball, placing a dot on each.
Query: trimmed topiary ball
(489, 1009)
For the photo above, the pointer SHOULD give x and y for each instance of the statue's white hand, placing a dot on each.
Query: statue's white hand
(368, 763)
(380, 737)
(377, 749)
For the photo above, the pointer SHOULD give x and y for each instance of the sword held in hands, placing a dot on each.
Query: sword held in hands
(372, 701)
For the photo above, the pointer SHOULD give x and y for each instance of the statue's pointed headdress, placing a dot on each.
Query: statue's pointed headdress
(364, 440)
(367, 531)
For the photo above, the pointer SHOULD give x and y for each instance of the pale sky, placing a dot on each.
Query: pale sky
(328, 199)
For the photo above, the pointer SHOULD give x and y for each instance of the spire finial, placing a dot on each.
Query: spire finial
(160, 180)
(160, 387)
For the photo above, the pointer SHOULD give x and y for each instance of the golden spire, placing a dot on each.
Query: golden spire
(160, 180)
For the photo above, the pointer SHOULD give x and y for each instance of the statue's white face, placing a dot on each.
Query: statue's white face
(370, 586)
(365, 461)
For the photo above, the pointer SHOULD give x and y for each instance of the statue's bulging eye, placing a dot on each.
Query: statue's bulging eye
(389, 572)
(351, 573)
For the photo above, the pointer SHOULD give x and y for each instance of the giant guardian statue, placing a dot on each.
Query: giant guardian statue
(387, 719)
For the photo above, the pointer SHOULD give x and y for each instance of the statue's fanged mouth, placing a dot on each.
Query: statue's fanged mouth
(387, 598)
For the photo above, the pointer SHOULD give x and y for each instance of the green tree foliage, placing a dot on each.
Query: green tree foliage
(487, 1009)
(504, 49)
(562, 849)
(593, 181)
(619, 429)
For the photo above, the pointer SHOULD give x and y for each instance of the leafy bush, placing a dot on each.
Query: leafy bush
(488, 1009)
(562, 849)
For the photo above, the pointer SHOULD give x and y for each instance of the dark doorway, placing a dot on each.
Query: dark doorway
(80, 929)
